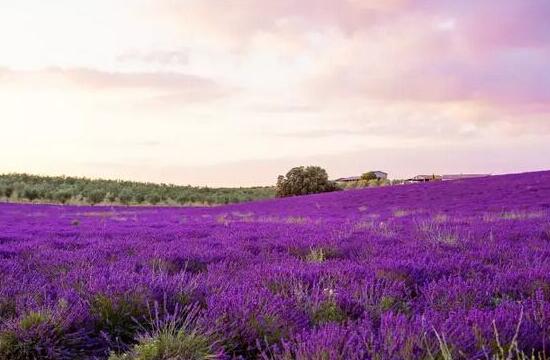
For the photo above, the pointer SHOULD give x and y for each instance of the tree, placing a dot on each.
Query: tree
(6, 191)
(140, 197)
(153, 198)
(96, 196)
(373, 183)
(182, 199)
(371, 175)
(112, 196)
(125, 196)
(31, 193)
(62, 196)
(304, 180)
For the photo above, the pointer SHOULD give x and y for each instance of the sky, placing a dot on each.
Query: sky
(236, 92)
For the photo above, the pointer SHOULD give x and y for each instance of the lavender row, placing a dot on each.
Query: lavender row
(445, 270)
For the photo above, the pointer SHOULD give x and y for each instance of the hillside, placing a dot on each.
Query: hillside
(73, 190)
(448, 270)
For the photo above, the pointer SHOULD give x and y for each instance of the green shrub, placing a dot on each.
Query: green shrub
(140, 197)
(371, 175)
(125, 196)
(328, 311)
(112, 196)
(168, 345)
(304, 180)
(118, 317)
(172, 335)
(182, 199)
(38, 336)
(96, 196)
(31, 193)
(33, 319)
(153, 198)
(62, 196)
(6, 191)
(316, 255)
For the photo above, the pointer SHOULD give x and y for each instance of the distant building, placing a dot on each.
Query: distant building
(428, 178)
(348, 179)
(462, 176)
(380, 175)
(424, 178)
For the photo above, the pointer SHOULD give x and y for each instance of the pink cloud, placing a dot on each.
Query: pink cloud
(491, 52)
(164, 86)
(156, 57)
(487, 53)
(239, 22)
(508, 23)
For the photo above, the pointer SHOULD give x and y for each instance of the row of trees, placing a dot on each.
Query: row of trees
(64, 190)
(298, 181)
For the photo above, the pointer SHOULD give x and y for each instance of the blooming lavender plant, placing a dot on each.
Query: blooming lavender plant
(435, 271)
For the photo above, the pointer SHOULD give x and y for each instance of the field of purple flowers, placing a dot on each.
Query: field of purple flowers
(436, 271)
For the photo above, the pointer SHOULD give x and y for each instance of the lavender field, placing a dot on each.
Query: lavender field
(437, 271)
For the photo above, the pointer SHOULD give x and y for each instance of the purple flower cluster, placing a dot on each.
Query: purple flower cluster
(445, 270)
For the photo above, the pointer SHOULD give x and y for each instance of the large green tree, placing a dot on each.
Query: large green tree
(304, 180)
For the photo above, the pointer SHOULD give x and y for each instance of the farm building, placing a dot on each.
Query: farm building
(348, 179)
(424, 178)
(462, 176)
(381, 175)
(428, 178)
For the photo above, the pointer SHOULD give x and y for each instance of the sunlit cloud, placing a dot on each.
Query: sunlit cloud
(207, 83)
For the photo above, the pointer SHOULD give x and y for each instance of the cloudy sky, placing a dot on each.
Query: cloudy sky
(234, 92)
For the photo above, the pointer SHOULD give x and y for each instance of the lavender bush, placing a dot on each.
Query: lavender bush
(434, 271)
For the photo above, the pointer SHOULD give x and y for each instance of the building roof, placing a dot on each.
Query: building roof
(462, 176)
(427, 176)
(350, 178)
(446, 177)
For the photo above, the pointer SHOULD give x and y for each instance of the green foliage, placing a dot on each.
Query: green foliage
(169, 345)
(118, 317)
(33, 319)
(126, 196)
(62, 196)
(304, 180)
(182, 199)
(6, 191)
(328, 311)
(140, 198)
(38, 336)
(96, 196)
(23, 187)
(316, 255)
(8, 345)
(170, 336)
(371, 175)
(153, 198)
(31, 193)
(112, 196)
(366, 183)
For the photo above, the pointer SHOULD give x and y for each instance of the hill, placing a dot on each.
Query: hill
(446, 270)
(73, 190)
